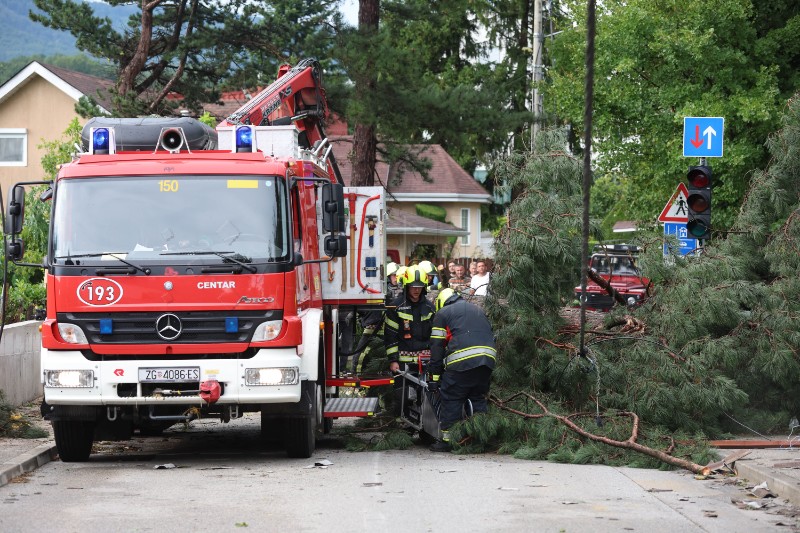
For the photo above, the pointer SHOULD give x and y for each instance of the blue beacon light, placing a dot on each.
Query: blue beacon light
(244, 139)
(100, 140)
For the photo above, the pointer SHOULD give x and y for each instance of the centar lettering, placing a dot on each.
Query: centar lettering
(216, 284)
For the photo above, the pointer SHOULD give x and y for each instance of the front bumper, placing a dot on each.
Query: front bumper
(117, 382)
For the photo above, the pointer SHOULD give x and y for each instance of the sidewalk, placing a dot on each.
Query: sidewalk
(779, 468)
(18, 456)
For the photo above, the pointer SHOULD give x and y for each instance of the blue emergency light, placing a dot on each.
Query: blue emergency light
(100, 138)
(244, 139)
(231, 324)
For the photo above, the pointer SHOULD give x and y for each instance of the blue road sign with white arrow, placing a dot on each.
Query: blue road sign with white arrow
(702, 136)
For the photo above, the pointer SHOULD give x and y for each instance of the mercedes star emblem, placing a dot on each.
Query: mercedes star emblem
(168, 327)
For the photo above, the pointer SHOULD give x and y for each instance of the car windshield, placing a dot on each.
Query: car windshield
(142, 218)
(607, 264)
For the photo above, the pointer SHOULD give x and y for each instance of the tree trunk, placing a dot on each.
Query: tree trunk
(365, 142)
(127, 77)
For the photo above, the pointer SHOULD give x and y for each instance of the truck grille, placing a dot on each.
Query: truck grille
(603, 302)
(195, 326)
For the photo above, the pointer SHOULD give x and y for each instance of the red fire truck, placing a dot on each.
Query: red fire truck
(198, 273)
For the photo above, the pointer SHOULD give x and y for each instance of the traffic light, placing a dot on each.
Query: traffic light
(699, 202)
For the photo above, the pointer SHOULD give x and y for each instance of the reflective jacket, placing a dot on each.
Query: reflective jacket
(462, 339)
(407, 327)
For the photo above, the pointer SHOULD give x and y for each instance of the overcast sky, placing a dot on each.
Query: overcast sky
(350, 11)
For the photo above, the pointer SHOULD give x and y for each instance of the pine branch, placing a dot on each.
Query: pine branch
(629, 444)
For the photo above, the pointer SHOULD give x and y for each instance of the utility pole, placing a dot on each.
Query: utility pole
(538, 70)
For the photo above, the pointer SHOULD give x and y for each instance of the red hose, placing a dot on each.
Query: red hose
(360, 236)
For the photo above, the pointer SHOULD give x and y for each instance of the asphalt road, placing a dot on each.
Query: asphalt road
(226, 479)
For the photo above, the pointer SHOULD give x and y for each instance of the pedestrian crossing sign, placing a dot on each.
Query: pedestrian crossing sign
(676, 209)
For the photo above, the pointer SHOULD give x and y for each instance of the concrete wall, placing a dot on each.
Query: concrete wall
(20, 365)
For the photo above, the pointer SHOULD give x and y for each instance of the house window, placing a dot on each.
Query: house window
(465, 225)
(13, 147)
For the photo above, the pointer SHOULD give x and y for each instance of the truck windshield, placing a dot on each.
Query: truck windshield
(607, 264)
(154, 217)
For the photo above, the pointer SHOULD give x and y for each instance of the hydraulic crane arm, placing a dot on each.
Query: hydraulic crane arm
(297, 97)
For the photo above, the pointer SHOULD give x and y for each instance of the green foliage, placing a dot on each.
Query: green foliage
(208, 119)
(719, 351)
(87, 107)
(658, 62)
(548, 439)
(15, 425)
(434, 212)
(27, 291)
(196, 48)
(536, 255)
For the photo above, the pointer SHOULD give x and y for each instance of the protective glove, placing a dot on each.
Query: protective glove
(433, 386)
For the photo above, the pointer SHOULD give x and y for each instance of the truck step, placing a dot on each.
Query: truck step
(344, 407)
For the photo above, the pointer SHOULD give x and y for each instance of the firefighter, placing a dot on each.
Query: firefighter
(393, 288)
(463, 356)
(372, 322)
(407, 330)
(434, 282)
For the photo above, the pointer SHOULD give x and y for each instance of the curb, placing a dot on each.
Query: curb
(41, 455)
(784, 486)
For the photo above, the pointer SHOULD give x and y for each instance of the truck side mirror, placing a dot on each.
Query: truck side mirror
(16, 211)
(336, 245)
(15, 250)
(333, 208)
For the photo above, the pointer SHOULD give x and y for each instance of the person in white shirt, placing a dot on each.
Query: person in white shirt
(480, 281)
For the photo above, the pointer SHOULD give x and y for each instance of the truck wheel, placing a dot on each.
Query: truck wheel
(299, 438)
(74, 439)
(300, 433)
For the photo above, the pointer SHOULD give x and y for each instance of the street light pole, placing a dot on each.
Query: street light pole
(538, 67)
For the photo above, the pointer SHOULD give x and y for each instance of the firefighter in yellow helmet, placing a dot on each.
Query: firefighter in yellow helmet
(372, 323)
(407, 329)
(434, 283)
(463, 356)
(401, 270)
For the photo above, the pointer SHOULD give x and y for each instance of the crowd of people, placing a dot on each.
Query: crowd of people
(447, 334)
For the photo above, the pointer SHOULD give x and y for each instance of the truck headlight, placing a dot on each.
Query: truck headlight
(632, 300)
(266, 331)
(72, 333)
(271, 376)
(69, 379)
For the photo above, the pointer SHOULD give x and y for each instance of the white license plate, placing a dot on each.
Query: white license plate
(169, 374)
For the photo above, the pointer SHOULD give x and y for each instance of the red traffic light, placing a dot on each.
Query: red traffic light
(699, 177)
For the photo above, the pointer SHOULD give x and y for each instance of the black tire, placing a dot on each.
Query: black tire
(74, 439)
(300, 433)
(272, 428)
(300, 439)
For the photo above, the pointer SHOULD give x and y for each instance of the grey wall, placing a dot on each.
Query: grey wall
(20, 367)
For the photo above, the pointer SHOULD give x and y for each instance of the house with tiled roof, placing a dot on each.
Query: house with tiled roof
(446, 185)
(37, 104)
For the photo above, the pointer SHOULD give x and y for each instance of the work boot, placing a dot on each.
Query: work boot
(440, 446)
